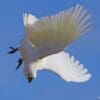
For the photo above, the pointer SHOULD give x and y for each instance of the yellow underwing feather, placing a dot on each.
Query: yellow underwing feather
(61, 29)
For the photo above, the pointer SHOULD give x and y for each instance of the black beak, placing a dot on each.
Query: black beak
(30, 79)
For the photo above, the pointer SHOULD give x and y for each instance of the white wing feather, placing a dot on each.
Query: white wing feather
(29, 19)
(59, 30)
(66, 67)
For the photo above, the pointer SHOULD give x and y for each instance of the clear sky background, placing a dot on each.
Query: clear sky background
(47, 86)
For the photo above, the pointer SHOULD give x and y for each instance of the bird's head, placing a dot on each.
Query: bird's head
(30, 72)
(30, 69)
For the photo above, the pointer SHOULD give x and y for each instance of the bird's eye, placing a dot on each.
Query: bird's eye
(28, 75)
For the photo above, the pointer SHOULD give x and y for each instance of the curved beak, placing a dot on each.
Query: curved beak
(30, 79)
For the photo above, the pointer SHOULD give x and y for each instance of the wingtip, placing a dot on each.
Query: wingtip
(79, 5)
(84, 78)
(28, 18)
(25, 18)
(88, 76)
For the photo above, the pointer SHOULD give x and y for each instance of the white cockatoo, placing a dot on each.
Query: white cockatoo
(45, 39)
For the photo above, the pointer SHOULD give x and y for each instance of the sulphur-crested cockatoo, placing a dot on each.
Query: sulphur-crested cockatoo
(45, 40)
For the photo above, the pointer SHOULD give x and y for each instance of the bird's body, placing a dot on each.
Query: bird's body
(60, 63)
(45, 40)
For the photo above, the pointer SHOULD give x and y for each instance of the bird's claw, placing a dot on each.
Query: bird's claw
(20, 61)
(13, 50)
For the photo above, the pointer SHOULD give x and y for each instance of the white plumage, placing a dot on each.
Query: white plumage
(65, 66)
(46, 38)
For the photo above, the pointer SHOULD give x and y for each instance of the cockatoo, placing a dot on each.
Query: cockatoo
(45, 39)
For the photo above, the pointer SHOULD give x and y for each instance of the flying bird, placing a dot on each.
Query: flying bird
(45, 39)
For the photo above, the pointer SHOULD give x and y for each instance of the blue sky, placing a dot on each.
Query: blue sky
(47, 86)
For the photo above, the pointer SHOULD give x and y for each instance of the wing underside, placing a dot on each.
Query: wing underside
(67, 67)
(60, 29)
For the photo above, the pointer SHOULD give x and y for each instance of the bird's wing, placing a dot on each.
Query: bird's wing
(59, 30)
(29, 20)
(67, 68)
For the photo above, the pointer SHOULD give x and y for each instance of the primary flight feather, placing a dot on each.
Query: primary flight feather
(57, 31)
(45, 40)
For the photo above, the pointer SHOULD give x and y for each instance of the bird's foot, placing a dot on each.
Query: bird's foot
(20, 61)
(13, 50)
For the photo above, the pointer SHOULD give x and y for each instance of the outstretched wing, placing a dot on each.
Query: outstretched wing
(59, 30)
(67, 68)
